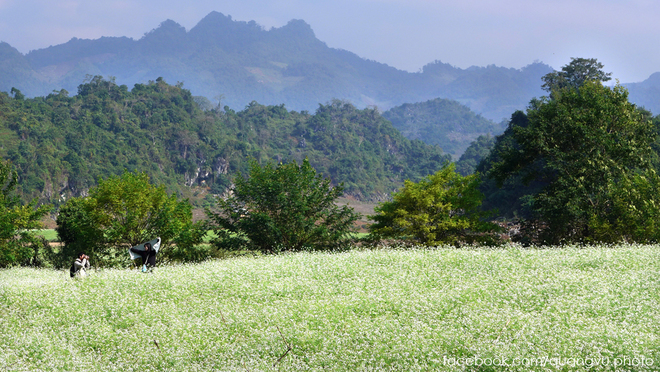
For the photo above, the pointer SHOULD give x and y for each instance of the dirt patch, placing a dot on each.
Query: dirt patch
(198, 214)
(49, 222)
(364, 208)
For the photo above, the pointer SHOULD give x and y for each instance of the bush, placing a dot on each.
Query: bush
(123, 212)
(442, 208)
(18, 244)
(287, 207)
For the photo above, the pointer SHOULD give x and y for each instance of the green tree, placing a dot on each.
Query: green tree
(442, 208)
(634, 212)
(511, 196)
(123, 211)
(79, 232)
(575, 74)
(18, 244)
(283, 207)
(581, 143)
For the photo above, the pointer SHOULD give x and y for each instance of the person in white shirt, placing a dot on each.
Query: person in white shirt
(80, 266)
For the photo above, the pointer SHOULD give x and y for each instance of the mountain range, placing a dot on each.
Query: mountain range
(234, 63)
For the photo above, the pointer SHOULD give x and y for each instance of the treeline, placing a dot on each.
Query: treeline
(61, 145)
(579, 166)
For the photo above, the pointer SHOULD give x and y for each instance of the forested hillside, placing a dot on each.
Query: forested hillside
(441, 122)
(242, 62)
(62, 144)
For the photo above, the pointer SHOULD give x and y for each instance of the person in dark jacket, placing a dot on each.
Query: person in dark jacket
(80, 266)
(148, 256)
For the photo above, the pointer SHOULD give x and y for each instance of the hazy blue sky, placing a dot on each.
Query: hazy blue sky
(406, 34)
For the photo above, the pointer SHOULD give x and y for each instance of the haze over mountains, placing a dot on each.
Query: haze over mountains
(240, 62)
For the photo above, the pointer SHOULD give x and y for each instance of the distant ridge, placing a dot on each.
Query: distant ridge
(646, 93)
(241, 62)
(441, 122)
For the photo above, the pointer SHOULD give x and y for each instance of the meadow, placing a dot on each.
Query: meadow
(445, 309)
(48, 234)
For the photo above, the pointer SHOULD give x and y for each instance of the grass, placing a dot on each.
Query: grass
(402, 310)
(49, 234)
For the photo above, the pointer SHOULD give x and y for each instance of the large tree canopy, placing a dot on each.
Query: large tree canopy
(583, 144)
(283, 207)
(576, 73)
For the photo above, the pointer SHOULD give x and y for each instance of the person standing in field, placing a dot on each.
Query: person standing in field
(80, 266)
(148, 256)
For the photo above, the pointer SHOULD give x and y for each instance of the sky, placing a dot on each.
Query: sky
(407, 34)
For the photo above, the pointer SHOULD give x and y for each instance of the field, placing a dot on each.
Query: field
(48, 234)
(404, 310)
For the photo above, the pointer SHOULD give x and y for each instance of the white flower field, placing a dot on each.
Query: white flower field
(446, 309)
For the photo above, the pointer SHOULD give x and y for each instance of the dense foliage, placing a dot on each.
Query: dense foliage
(18, 244)
(443, 208)
(442, 122)
(590, 149)
(575, 74)
(579, 165)
(124, 211)
(62, 145)
(510, 198)
(288, 207)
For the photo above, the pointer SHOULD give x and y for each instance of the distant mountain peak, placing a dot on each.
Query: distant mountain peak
(299, 27)
(170, 25)
(654, 79)
(5, 48)
(167, 28)
(438, 65)
(213, 18)
(216, 24)
(244, 62)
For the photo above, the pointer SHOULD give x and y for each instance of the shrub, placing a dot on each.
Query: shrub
(18, 244)
(283, 207)
(123, 212)
(442, 208)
